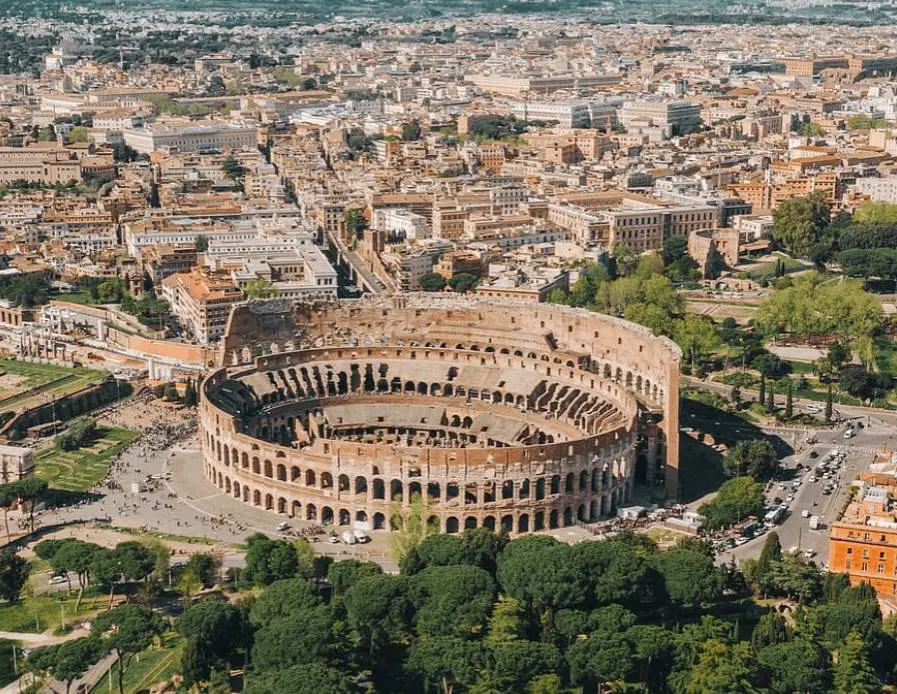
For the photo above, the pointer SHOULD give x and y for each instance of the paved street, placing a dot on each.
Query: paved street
(795, 530)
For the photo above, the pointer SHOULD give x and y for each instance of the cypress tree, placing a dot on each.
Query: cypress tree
(762, 389)
(828, 403)
(770, 400)
(789, 402)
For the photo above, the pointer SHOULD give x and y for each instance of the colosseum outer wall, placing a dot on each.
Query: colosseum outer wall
(639, 366)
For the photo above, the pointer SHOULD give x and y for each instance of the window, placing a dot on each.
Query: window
(864, 566)
(850, 550)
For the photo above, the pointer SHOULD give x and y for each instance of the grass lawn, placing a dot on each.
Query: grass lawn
(155, 665)
(20, 378)
(81, 297)
(39, 613)
(768, 270)
(79, 470)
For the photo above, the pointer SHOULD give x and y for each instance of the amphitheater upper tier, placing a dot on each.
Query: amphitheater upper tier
(496, 414)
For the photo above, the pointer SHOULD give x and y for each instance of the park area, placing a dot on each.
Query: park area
(23, 384)
(80, 469)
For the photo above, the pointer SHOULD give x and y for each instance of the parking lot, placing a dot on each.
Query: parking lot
(815, 482)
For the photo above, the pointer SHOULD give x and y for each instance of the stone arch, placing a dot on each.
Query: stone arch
(583, 480)
(281, 505)
(555, 486)
(342, 483)
(568, 517)
(361, 517)
(379, 489)
(282, 472)
(236, 489)
(414, 488)
(244, 459)
(295, 474)
(452, 490)
(582, 514)
(256, 466)
(523, 523)
(309, 478)
(553, 519)
(451, 525)
(379, 521)
(227, 456)
(326, 515)
(345, 518)
(433, 490)
(361, 485)
(569, 482)
(507, 523)
(269, 502)
(227, 485)
(489, 522)
(470, 523)
(395, 490)
(256, 497)
(540, 488)
(295, 509)
(311, 512)
(245, 494)
(539, 521)
(326, 480)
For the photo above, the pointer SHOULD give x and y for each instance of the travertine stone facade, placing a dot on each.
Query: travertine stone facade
(498, 415)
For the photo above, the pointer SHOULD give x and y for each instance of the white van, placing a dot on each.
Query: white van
(349, 538)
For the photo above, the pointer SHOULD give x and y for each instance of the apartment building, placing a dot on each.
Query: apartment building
(863, 541)
(201, 301)
(163, 260)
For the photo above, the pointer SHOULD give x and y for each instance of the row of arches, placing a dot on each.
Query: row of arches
(586, 482)
(521, 522)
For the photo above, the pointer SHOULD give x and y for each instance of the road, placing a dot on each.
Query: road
(888, 417)
(795, 530)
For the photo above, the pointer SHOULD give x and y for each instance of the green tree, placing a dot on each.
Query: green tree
(796, 666)
(770, 630)
(463, 282)
(342, 575)
(755, 458)
(828, 403)
(853, 672)
(445, 662)
(67, 661)
(411, 526)
(201, 244)
(432, 282)
(232, 167)
(212, 627)
(259, 288)
(13, 574)
(736, 499)
(789, 402)
(314, 678)
(29, 490)
(696, 336)
(270, 560)
(597, 660)
(355, 224)
(799, 223)
(282, 599)
(126, 630)
(724, 669)
(690, 577)
(771, 552)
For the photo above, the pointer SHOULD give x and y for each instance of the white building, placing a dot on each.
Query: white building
(878, 189)
(212, 136)
(672, 117)
(407, 224)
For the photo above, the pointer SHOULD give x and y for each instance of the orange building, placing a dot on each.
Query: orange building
(863, 542)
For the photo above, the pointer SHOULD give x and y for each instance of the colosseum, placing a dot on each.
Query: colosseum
(494, 414)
